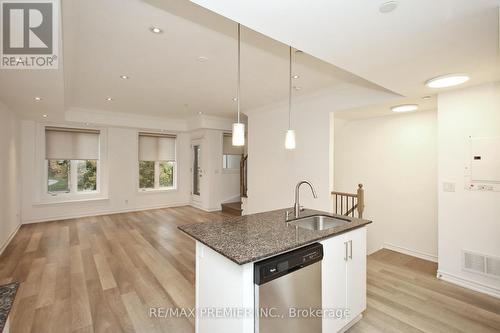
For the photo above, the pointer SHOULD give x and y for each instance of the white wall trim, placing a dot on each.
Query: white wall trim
(469, 284)
(199, 206)
(410, 252)
(7, 242)
(108, 212)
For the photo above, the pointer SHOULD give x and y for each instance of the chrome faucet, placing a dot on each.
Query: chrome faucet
(296, 206)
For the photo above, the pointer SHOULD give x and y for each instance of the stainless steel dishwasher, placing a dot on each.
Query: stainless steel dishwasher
(288, 291)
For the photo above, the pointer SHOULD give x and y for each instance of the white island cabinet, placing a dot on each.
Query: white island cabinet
(343, 271)
(225, 289)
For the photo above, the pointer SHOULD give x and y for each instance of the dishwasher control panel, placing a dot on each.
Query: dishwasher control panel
(275, 267)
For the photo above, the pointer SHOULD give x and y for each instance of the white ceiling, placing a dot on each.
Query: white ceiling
(384, 109)
(103, 39)
(398, 50)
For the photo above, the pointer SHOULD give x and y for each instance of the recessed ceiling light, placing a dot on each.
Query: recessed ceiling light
(202, 59)
(124, 77)
(44, 115)
(38, 99)
(427, 97)
(235, 99)
(445, 81)
(200, 113)
(388, 7)
(295, 76)
(297, 88)
(155, 30)
(404, 108)
(109, 99)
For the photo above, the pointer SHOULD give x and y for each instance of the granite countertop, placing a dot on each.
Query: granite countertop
(7, 294)
(249, 238)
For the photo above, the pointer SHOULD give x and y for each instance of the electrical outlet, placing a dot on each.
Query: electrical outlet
(448, 187)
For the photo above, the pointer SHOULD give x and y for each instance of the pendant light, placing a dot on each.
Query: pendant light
(239, 128)
(290, 133)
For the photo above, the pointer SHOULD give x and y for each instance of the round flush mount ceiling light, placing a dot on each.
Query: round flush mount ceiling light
(296, 77)
(109, 99)
(446, 81)
(156, 30)
(404, 108)
(388, 7)
(38, 99)
(124, 77)
(44, 115)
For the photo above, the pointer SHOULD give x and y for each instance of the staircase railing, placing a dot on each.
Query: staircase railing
(348, 203)
(243, 175)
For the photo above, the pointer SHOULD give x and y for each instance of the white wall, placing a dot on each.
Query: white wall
(217, 185)
(274, 171)
(395, 158)
(9, 175)
(121, 182)
(467, 220)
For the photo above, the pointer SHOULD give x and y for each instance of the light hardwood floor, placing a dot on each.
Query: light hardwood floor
(102, 274)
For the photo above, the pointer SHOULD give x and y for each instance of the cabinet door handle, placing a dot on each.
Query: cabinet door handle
(346, 255)
(350, 249)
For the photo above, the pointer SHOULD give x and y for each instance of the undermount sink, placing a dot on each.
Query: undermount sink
(318, 222)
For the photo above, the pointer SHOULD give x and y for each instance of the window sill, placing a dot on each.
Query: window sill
(230, 171)
(68, 201)
(160, 190)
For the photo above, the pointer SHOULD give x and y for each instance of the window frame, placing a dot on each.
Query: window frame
(227, 170)
(43, 196)
(157, 188)
(73, 178)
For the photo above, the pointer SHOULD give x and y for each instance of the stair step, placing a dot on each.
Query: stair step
(232, 208)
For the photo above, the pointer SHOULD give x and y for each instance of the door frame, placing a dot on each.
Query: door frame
(196, 197)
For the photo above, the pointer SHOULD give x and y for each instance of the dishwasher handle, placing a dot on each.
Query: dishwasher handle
(283, 264)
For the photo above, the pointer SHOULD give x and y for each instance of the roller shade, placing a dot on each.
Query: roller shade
(71, 144)
(156, 147)
(228, 148)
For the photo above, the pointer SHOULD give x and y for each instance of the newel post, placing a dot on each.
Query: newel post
(361, 200)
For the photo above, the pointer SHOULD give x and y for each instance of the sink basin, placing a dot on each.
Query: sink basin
(318, 222)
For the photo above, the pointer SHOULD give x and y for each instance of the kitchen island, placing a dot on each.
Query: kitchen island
(227, 250)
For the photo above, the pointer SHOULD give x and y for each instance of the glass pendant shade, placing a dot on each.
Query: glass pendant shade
(238, 134)
(290, 139)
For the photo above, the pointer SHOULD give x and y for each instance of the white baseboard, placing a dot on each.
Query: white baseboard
(351, 323)
(410, 252)
(199, 206)
(107, 212)
(4, 246)
(469, 284)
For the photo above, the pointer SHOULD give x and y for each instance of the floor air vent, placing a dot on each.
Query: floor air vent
(482, 264)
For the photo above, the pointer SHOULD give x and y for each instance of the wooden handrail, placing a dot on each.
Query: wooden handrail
(353, 202)
(243, 175)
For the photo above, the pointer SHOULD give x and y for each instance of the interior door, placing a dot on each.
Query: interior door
(197, 171)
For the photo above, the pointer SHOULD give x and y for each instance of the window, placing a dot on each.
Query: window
(157, 161)
(231, 155)
(72, 160)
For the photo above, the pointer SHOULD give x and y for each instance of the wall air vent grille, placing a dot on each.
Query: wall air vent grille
(482, 264)
(474, 262)
(493, 266)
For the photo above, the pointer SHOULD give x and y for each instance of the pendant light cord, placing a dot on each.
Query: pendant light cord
(239, 71)
(290, 90)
